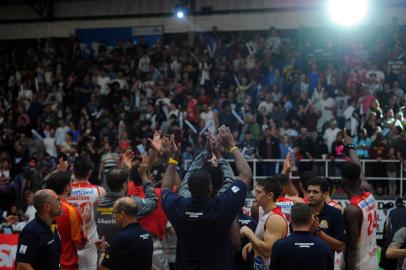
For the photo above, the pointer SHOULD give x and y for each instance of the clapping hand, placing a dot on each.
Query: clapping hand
(174, 149)
(62, 164)
(225, 137)
(156, 142)
(143, 168)
(287, 164)
(127, 158)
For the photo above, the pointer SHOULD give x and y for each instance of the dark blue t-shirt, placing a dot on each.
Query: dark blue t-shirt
(331, 222)
(39, 245)
(202, 227)
(131, 249)
(240, 263)
(302, 250)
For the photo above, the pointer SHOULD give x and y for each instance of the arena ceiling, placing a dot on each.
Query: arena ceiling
(57, 10)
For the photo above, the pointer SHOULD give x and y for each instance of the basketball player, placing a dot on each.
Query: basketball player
(272, 224)
(84, 196)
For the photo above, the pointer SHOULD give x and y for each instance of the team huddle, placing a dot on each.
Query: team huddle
(80, 225)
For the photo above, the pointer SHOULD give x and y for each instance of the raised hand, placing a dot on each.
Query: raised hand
(225, 137)
(127, 158)
(174, 148)
(166, 145)
(143, 168)
(287, 164)
(62, 165)
(210, 145)
(156, 142)
(213, 160)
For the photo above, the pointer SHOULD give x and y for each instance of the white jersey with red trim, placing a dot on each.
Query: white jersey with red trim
(84, 197)
(285, 203)
(260, 262)
(366, 253)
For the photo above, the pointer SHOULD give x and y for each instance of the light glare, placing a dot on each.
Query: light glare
(180, 14)
(347, 12)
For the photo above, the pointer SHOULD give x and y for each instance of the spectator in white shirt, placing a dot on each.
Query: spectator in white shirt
(331, 133)
(103, 80)
(327, 105)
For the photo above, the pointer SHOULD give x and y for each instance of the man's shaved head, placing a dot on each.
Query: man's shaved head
(41, 197)
(127, 205)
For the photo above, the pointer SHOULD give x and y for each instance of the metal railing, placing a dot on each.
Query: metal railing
(327, 164)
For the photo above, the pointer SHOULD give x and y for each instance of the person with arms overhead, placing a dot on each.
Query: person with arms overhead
(202, 222)
(117, 182)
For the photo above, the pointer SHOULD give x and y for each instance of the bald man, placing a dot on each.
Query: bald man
(131, 248)
(39, 245)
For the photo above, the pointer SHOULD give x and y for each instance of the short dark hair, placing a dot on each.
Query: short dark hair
(216, 176)
(270, 184)
(57, 181)
(82, 166)
(199, 183)
(123, 204)
(321, 182)
(135, 175)
(399, 202)
(305, 177)
(116, 178)
(300, 214)
(282, 179)
(351, 172)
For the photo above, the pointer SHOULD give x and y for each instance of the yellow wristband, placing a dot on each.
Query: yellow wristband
(233, 149)
(173, 161)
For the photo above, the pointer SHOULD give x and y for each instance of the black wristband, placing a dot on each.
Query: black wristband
(317, 231)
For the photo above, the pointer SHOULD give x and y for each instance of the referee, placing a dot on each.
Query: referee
(39, 245)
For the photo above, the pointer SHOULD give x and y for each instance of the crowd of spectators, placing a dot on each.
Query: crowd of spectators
(62, 99)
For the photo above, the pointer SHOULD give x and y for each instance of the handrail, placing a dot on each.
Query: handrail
(326, 168)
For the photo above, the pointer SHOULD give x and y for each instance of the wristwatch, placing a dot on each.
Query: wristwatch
(317, 231)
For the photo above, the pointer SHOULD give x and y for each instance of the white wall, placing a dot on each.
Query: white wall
(229, 22)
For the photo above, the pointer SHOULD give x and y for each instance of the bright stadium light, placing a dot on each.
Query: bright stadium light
(180, 14)
(347, 12)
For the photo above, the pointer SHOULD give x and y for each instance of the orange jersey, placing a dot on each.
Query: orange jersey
(70, 227)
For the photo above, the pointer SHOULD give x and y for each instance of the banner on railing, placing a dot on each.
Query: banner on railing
(8, 249)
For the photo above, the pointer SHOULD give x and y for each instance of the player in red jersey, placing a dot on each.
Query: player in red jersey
(360, 215)
(70, 225)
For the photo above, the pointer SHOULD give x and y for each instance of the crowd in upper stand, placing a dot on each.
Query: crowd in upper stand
(65, 98)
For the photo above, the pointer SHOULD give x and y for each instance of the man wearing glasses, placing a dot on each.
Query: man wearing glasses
(131, 248)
